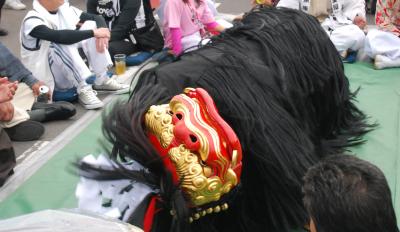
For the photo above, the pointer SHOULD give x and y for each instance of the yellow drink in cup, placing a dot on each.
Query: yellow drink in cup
(120, 65)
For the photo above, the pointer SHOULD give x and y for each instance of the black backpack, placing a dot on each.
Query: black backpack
(148, 38)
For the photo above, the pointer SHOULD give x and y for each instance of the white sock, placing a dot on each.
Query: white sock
(81, 85)
(100, 79)
(382, 62)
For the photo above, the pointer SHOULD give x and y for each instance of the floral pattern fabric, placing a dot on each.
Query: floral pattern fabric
(387, 16)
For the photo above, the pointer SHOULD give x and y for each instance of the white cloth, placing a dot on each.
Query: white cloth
(384, 43)
(91, 194)
(347, 37)
(22, 101)
(68, 69)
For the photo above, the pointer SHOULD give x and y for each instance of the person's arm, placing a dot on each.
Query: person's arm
(100, 22)
(354, 8)
(176, 40)
(214, 27)
(11, 67)
(61, 36)
(382, 17)
(126, 19)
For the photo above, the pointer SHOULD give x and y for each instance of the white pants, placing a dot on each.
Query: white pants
(67, 66)
(384, 43)
(347, 37)
(192, 42)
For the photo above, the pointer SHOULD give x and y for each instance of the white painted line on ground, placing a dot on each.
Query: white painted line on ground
(32, 150)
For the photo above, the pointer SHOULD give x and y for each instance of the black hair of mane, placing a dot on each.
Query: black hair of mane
(277, 79)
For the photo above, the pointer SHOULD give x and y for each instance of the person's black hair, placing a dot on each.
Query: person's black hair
(344, 193)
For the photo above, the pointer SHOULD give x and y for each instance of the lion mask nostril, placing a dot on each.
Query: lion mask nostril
(193, 138)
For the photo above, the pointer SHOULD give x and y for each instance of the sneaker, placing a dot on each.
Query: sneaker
(25, 131)
(88, 98)
(111, 85)
(15, 5)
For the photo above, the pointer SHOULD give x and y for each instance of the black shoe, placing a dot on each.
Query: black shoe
(55, 111)
(3, 32)
(25, 131)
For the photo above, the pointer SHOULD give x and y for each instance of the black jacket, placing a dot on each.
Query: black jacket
(120, 15)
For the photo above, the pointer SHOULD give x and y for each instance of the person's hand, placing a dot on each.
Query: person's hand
(7, 89)
(360, 22)
(101, 44)
(35, 89)
(101, 33)
(6, 111)
(238, 17)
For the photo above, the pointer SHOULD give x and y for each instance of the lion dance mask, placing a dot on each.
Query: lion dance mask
(220, 139)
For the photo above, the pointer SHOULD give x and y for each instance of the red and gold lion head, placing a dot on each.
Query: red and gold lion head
(199, 148)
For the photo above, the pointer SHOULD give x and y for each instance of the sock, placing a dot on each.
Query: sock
(81, 85)
(101, 79)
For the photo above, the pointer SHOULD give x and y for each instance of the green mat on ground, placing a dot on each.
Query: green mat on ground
(53, 187)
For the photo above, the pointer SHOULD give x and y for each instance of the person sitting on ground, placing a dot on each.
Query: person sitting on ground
(344, 193)
(49, 48)
(132, 24)
(185, 24)
(343, 20)
(21, 117)
(7, 155)
(383, 44)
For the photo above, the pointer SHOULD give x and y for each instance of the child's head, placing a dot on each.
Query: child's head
(344, 193)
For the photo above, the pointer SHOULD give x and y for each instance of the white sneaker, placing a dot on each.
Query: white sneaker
(15, 5)
(382, 62)
(112, 86)
(88, 98)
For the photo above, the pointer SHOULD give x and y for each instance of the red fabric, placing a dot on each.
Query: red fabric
(149, 216)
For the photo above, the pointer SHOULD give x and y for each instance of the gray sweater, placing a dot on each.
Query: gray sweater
(11, 67)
